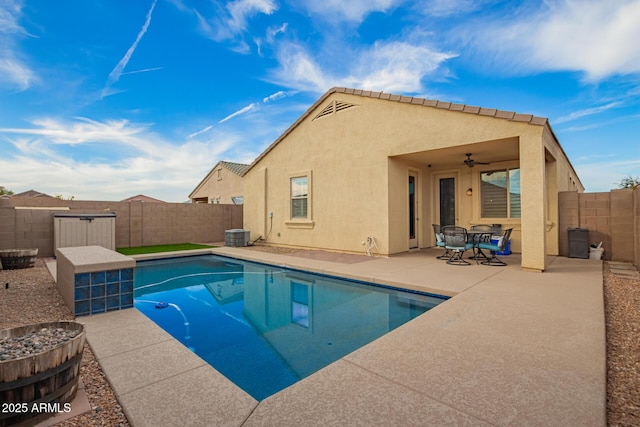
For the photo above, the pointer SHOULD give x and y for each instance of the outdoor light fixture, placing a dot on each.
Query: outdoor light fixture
(470, 191)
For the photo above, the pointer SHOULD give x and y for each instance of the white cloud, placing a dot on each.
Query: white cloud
(10, 12)
(115, 74)
(14, 71)
(449, 7)
(298, 70)
(256, 105)
(386, 66)
(341, 10)
(43, 158)
(278, 95)
(590, 36)
(146, 70)
(244, 110)
(200, 132)
(241, 10)
(587, 112)
(397, 66)
(232, 22)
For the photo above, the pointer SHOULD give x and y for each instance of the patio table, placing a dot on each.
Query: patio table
(476, 237)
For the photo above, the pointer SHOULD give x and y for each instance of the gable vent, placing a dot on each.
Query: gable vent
(334, 107)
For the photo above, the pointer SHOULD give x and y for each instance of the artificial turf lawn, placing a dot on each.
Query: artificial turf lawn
(161, 248)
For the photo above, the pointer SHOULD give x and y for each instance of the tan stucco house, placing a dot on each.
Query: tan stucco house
(222, 185)
(360, 164)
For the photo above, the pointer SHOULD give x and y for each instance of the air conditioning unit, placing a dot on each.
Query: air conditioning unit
(236, 237)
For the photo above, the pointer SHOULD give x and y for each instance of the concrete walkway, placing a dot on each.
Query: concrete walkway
(511, 348)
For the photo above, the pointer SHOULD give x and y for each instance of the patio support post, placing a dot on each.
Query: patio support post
(534, 202)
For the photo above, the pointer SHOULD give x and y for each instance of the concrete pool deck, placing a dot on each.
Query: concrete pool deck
(511, 348)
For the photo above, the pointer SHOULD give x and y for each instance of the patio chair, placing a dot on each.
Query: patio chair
(437, 230)
(456, 242)
(497, 244)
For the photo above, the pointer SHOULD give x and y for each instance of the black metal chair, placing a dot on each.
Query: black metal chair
(496, 246)
(456, 242)
(437, 230)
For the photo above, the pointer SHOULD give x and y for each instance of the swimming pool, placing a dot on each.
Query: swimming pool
(266, 327)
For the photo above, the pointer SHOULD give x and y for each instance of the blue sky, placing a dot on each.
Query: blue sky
(106, 99)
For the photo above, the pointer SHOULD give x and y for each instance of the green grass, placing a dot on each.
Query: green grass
(161, 248)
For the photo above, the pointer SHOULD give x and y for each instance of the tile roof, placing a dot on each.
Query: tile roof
(462, 108)
(142, 198)
(237, 168)
(31, 193)
(501, 114)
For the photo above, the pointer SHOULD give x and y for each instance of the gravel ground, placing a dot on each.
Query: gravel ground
(32, 297)
(622, 313)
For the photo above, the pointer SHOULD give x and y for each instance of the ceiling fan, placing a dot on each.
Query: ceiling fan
(471, 163)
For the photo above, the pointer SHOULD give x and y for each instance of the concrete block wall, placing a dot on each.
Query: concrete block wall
(28, 222)
(623, 235)
(595, 214)
(612, 218)
(636, 204)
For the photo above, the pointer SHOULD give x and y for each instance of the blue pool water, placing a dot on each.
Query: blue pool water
(266, 327)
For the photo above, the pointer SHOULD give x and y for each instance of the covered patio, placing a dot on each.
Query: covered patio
(485, 182)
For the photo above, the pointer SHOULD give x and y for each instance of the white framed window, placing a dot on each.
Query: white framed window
(299, 197)
(300, 200)
(500, 193)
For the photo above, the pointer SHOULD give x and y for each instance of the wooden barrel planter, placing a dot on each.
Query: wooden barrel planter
(18, 258)
(38, 384)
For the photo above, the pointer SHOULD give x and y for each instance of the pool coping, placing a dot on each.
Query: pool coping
(493, 355)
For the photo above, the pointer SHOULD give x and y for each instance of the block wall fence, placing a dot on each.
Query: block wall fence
(612, 218)
(27, 222)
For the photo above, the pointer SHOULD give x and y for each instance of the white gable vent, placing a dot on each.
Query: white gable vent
(334, 107)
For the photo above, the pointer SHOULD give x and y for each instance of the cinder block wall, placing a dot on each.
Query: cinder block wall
(636, 203)
(612, 218)
(595, 214)
(28, 222)
(623, 232)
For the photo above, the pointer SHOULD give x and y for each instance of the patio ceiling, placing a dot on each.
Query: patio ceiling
(446, 158)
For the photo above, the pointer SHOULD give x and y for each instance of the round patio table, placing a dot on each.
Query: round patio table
(476, 237)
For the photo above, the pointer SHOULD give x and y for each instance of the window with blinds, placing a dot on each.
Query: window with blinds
(299, 197)
(500, 194)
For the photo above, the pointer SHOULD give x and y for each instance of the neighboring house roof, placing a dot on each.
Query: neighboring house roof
(142, 198)
(237, 168)
(31, 193)
(462, 108)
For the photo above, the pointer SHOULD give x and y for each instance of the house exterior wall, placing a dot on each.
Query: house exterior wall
(218, 187)
(560, 177)
(359, 160)
(348, 183)
(28, 222)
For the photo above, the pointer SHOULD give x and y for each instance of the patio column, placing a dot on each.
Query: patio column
(534, 202)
